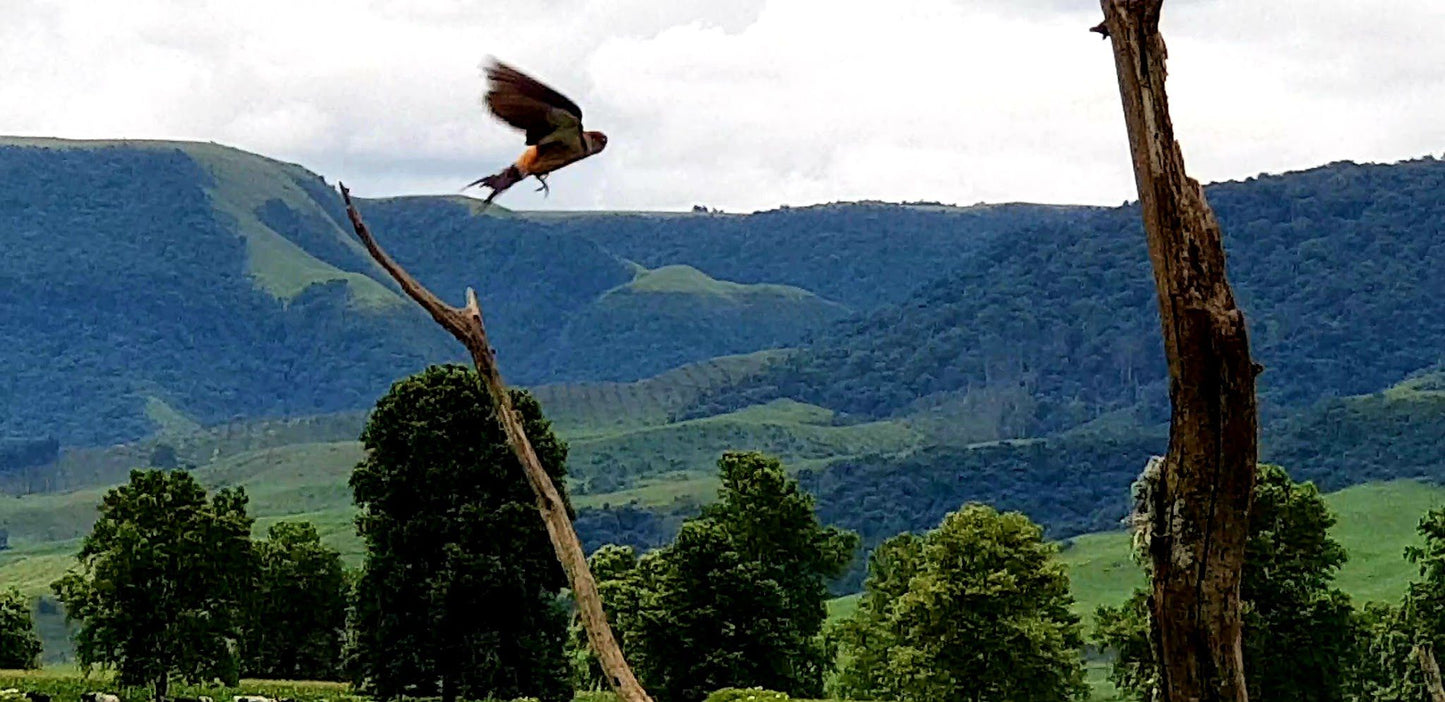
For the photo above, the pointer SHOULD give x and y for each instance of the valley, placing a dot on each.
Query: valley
(188, 305)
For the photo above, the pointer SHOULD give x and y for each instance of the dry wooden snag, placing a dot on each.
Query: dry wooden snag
(1199, 509)
(466, 325)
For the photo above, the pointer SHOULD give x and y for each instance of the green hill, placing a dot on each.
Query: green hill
(1337, 269)
(153, 285)
(128, 280)
(674, 315)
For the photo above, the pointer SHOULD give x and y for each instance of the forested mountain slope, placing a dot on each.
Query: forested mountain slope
(146, 282)
(1337, 268)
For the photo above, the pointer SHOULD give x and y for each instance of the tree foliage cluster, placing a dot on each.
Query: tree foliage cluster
(976, 609)
(1070, 485)
(459, 593)
(17, 454)
(19, 643)
(1347, 441)
(1301, 635)
(170, 585)
(1303, 639)
(736, 600)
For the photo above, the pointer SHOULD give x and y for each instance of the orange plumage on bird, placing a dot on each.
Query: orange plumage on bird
(551, 121)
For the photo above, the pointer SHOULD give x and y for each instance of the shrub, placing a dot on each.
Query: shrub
(752, 694)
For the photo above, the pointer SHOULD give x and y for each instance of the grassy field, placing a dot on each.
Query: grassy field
(66, 684)
(682, 279)
(581, 410)
(792, 431)
(1376, 523)
(243, 183)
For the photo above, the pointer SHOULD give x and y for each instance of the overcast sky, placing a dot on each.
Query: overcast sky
(738, 104)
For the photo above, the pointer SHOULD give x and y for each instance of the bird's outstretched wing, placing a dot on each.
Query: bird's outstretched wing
(523, 102)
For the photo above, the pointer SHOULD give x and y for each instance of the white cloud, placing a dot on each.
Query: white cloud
(741, 105)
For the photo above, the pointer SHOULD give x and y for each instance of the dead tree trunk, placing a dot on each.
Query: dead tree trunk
(1426, 658)
(1200, 507)
(466, 325)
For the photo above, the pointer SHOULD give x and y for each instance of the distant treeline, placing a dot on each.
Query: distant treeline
(18, 454)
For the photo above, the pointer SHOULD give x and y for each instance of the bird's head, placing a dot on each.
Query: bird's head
(596, 141)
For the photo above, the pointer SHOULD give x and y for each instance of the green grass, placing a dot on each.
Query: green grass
(686, 280)
(1430, 382)
(83, 468)
(66, 683)
(31, 569)
(168, 420)
(37, 520)
(657, 492)
(244, 182)
(1101, 572)
(579, 410)
(289, 479)
(305, 481)
(1376, 523)
(792, 431)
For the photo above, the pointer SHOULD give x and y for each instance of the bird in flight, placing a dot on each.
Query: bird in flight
(551, 121)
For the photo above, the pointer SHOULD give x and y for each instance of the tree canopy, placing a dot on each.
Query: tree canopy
(738, 599)
(458, 596)
(1299, 631)
(160, 582)
(296, 615)
(977, 609)
(19, 644)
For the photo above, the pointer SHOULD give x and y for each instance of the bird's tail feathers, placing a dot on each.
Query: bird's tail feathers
(499, 182)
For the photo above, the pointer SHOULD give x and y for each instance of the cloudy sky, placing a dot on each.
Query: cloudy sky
(739, 104)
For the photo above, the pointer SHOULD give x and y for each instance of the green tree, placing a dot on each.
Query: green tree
(977, 609)
(296, 615)
(739, 598)
(458, 596)
(19, 644)
(1300, 633)
(1385, 668)
(620, 585)
(159, 582)
(1388, 669)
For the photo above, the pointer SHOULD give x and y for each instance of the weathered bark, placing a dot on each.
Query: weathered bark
(466, 325)
(1426, 658)
(1200, 510)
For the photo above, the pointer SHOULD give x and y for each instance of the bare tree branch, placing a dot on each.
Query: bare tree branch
(1199, 509)
(466, 325)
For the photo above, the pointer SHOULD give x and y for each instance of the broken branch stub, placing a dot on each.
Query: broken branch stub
(467, 326)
